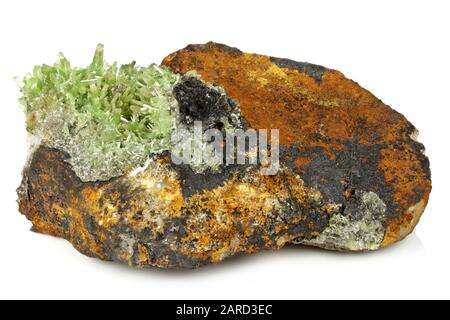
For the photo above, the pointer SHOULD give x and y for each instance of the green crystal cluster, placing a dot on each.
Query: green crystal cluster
(343, 233)
(107, 118)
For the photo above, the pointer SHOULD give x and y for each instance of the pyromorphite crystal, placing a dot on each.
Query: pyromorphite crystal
(352, 176)
(347, 232)
(108, 118)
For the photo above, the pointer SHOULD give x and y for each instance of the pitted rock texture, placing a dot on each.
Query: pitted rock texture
(144, 218)
(352, 176)
(337, 136)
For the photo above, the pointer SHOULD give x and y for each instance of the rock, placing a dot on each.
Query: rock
(352, 176)
(338, 137)
(159, 216)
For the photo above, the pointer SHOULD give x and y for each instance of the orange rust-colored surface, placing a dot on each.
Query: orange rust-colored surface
(304, 109)
(143, 219)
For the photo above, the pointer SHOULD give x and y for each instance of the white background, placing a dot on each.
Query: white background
(399, 50)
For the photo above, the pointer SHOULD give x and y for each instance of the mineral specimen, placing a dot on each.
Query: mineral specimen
(100, 174)
(108, 119)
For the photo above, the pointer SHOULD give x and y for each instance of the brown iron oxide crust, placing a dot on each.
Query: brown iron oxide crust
(338, 136)
(144, 219)
(337, 140)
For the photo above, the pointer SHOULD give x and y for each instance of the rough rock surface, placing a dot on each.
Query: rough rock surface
(337, 136)
(352, 176)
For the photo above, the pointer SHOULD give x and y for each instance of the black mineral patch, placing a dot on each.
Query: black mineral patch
(419, 150)
(200, 102)
(313, 70)
(193, 183)
(354, 168)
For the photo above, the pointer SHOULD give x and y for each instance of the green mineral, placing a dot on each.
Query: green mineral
(108, 118)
